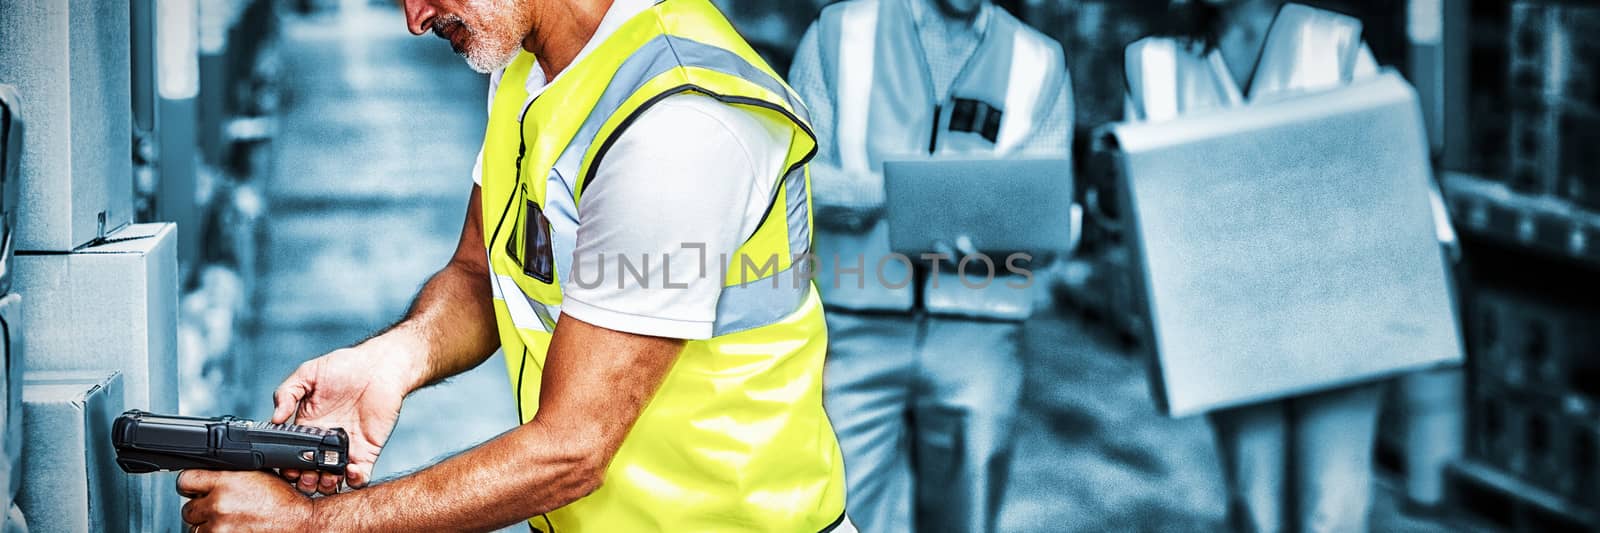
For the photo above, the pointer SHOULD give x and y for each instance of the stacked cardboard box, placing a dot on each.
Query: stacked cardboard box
(10, 174)
(73, 480)
(77, 178)
(11, 352)
(12, 361)
(102, 293)
(112, 306)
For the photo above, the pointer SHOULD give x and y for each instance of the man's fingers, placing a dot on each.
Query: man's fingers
(965, 246)
(195, 512)
(287, 398)
(308, 481)
(357, 476)
(329, 484)
(289, 474)
(196, 483)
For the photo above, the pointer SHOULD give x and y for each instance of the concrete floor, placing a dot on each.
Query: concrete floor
(376, 141)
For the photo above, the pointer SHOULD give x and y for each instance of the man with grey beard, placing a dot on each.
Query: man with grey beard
(692, 405)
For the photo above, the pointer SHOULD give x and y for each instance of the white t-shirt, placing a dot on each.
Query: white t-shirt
(689, 171)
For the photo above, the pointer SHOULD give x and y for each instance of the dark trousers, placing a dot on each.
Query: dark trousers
(924, 408)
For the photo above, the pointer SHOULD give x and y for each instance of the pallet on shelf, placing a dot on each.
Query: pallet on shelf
(1494, 496)
(1547, 223)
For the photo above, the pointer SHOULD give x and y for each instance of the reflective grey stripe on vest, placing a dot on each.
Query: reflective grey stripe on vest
(759, 303)
(1024, 92)
(738, 307)
(858, 34)
(659, 55)
(794, 184)
(526, 313)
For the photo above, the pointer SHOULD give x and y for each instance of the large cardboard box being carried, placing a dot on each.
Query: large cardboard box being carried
(1286, 247)
(74, 484)
(73, 83)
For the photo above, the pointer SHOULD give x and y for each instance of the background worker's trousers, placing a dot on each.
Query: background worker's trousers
(924, 407)
(1301, 464)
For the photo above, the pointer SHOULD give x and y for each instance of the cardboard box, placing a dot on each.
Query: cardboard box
(109, 307)
(74, 86)
(11, 412)
(112, 307)
(74, 484)
(1271, 266)
(10, 174)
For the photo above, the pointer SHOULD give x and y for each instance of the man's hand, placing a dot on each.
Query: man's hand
(359, 389)
(846, 201)
(594, 385)
(449, 329)
(243, 501)
(850, 219)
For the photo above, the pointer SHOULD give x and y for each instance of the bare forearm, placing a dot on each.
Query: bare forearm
(520, 474)
(450, 326)
(595, 384)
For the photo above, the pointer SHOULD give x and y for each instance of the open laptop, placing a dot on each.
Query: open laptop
(1286, 247)
(1000, 205)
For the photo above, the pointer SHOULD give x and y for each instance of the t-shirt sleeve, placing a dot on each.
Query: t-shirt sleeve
(477, 163)
(681, 189)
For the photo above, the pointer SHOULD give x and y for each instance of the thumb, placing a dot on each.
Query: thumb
(287, 398)
(965, 247)
(358, 474)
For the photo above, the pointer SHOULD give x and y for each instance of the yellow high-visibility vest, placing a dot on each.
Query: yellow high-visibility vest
(736, 438)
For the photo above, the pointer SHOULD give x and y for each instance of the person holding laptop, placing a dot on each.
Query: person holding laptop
(889, 80)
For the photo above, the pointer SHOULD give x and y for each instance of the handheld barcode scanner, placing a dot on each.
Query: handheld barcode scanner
(148, 442)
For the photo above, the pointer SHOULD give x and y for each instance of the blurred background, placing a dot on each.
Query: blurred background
(316, 158)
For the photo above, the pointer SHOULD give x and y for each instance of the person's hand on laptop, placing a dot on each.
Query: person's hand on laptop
(955, 249)
(846, 201)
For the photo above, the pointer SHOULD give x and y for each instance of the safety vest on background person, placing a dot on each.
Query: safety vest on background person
(736, 437)
(887, 110)
(1306, 49)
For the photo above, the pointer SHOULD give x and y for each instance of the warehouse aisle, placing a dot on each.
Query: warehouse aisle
(377, 135)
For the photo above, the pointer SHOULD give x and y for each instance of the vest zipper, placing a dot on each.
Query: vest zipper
(522, 139)
(522, 149)
(961, 75)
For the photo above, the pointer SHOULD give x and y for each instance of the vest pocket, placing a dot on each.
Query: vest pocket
(529, 245)
(539, 260)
